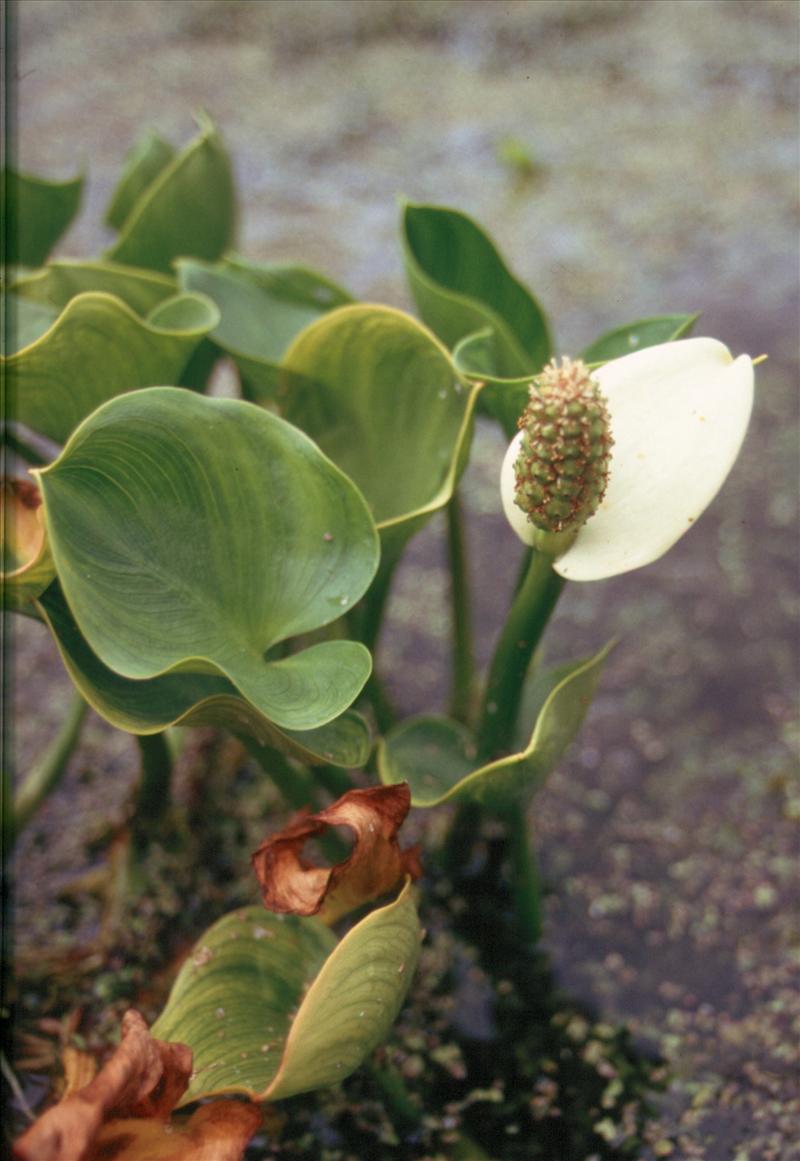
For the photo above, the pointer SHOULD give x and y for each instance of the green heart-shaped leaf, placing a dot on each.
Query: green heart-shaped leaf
(58, 282)
(461, 285)
(149, 157)
(262, 309)
(191, 699)
(382, 398)
(195, 534)
(96, 349)
(647, 332)
(234, 999)
(37, 212)
(188, 210)
(436, 756)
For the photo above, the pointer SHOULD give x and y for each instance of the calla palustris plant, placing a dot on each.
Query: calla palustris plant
(677, 414)
(204, 560)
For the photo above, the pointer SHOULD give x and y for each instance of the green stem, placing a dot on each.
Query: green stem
(46, 774)
(525, 883)
(463, 649)
(522, 632)
(365, 623)
(405, 1112)
(154, 797)
(295, 784)
(368, 616)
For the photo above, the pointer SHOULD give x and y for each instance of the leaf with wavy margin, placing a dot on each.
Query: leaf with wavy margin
(382, 398)
(193, 535)
(99, 348)
(437, 756)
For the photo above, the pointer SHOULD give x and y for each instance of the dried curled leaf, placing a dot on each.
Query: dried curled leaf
(216, 1132)
(120, 1113)
(27, 564)
(376, 864)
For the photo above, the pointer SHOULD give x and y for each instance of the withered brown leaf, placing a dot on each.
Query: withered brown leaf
(291, 884)
(120, 1113)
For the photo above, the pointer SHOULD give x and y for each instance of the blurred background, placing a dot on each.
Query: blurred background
(629, 158)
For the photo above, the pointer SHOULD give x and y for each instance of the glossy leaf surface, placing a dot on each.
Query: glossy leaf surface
(37, 212)
(191, 699)
(437, 756)
(96, 349)
(58, 282)
(262, 309)
(381, 397)
(195, 534)
(188, 210)
(461, 285)
(235, 999)
(647, 332)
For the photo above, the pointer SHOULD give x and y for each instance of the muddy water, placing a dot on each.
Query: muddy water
(662, 171)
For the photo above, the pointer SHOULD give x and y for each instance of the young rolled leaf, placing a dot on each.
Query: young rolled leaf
(59, 282)
(149, 157)
(235, 999)
(194, 534)
(376, 864)
(192, 699)
(437, 757)
(37, 212)
(27, 564)
(187, 210)
(461, 285)
(647, 332)
(121, 1113)
(381, 397)
(96, 349)
(262, 309)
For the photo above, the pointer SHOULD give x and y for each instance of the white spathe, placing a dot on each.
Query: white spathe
(678, 415)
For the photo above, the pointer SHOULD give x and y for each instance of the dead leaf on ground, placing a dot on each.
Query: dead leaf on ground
(121, 1113)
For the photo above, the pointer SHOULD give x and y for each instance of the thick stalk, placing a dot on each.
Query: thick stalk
(521, 634)
(463, 650)
(525, 883)
(366, 621)
(154, 797)
(46, 774)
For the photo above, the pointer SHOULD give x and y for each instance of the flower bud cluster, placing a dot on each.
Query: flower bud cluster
(561, 470)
